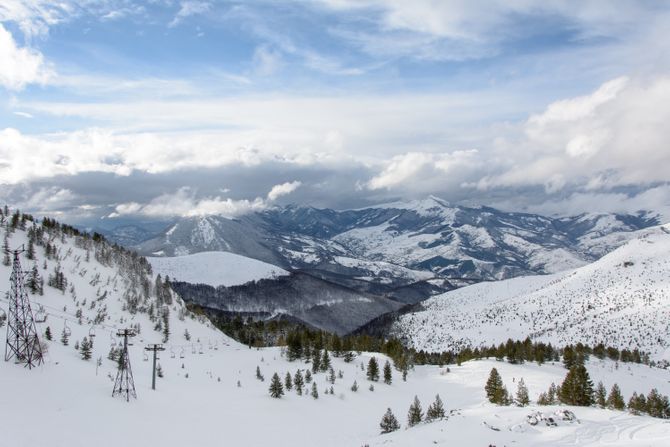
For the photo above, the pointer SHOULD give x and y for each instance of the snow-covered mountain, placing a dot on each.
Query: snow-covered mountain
(425, 235)
(621, 300)
(214, 268)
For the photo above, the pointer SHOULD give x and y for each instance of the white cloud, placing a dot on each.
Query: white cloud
(656, 199)
(189, 8)
(20, 66)
(419, 28)
(184, 203)
(616, 136)
(415, 168)
(281, 190)
(266, 60)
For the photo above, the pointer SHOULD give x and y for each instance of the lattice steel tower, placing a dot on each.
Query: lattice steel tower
(23, 344)
(124, 383)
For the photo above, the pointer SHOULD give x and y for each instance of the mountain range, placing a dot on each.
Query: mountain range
(391, 254)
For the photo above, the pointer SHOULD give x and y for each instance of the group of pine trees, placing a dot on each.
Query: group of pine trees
(577, 389)
(415, 415)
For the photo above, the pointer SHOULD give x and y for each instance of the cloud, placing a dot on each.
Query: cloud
(462, 29)
(20, 66)
(266, 60)
(416, 168)
(184, 203)
(188, 9)
(281, 190)
(615, 136)
(655, 199)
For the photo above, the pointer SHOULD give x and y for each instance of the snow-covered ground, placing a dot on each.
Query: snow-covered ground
(67, 402)
(216, 268)
(621, 300)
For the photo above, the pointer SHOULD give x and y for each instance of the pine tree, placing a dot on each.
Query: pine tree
(615, 400)
(354, 387)
(658, 405)
(259, 376)
(315, 392)
(389, 422)
(373, 369)
(298, 382)
(64, 338)
(325, 361)
(331, 375)
(552, 394)
(494, 388)
(166, 324)
(601, 395)
(288, 382)
(415, 413)
(6, 260)
(316, 361)
(637, 403)
(47, 333)
(187, 335)
(387, 373)
(308, 376)
(276, 388)
(577, 388)
(435, 410)
(85, 349)
(522, 394)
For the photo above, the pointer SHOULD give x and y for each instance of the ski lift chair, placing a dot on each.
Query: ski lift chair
(40, 315)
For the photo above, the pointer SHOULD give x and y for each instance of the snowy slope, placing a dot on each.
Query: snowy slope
(622, 300)
(67, 402)
(216, 268)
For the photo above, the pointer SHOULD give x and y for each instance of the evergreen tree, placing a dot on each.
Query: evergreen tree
(166, 324)
(415, 413)
(325, 361)
(276, 388)
(637, 403)
(85, 349)
(288, 382)
(552, 394)
(259, 376)
(522, 398)
(354, 387)
(316, 361)
(387, 373)
(331, 375)
(187, 335)
(315, 392)
(47, 333)
(577, 388)
(64, 338)
(373, 369)
(308, 376)
(389, 422)
(494, 388)
(298, 382)
(658, 406)
(601, 395)
(435, 410)
(6, 260)
(615, 400)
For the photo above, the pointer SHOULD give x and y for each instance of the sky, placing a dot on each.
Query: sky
(121, 109)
